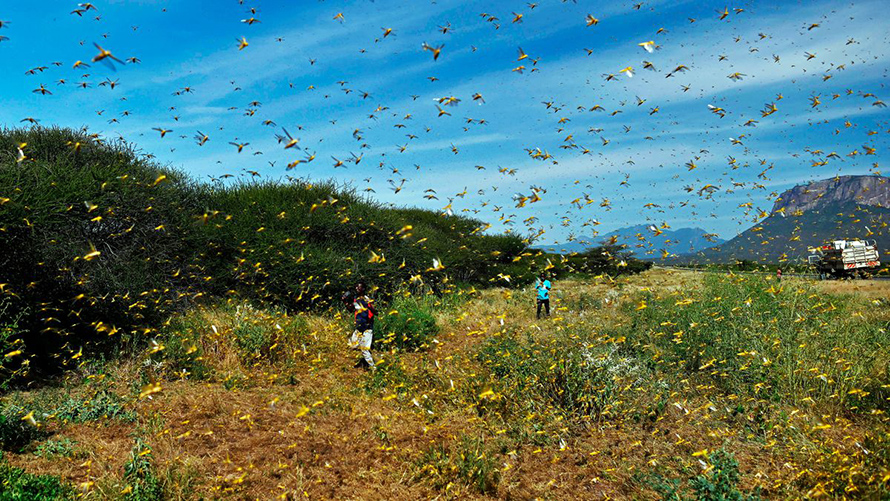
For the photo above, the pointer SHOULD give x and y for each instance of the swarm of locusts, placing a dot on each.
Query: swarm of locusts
(282, 331)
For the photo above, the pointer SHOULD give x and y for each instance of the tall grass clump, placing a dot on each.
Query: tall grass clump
(468, 462)
(558, 376)
(142, 480)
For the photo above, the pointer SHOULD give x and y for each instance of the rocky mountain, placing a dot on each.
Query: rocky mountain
(844, 207)
(862, 190)
(645, 241)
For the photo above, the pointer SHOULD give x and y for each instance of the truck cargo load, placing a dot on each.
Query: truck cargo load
(845, 259)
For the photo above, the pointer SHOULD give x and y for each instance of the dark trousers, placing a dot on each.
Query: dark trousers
(546, 304)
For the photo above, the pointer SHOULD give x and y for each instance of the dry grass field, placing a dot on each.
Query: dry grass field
(661, 385)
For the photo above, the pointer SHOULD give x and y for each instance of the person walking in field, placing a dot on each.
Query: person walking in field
(543, 289)
(363, 335)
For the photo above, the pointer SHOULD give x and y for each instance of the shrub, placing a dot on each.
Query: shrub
(63, 204)
(183, 355)
(10, 342)
(563, 375)
(607, 259)
(719, 483)
(409, 326)
(63, 447)
(16, 433)
(253, 340)
(266, 334)
(17, 485)
(101, 406)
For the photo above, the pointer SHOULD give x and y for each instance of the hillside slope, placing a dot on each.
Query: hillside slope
(845, 207)
(100, 244)
(781, 238)
(863, 190)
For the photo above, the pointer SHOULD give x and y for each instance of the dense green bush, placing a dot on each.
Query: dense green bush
(408, 325)
(10, 341)
(302, 245)
(67, 203)
(17, 485)
(16, 433)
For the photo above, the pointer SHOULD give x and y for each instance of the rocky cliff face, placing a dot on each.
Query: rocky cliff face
(863, 190)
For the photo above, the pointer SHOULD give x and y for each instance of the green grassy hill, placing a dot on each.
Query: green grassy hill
(101, 245)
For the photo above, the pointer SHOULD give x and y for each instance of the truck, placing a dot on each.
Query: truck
(845, 259)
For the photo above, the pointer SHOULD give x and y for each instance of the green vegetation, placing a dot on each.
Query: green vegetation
(102, 405)
(467, 462)
(632, 384)
(16, 433)
(390, 375)
(18, 416)
(10, 341)
(409, 325)
(143, 483)
(110, 244)
(718, 483)
(179, 352)
(54, 448)
(224, 341)
(612, 260)
(752, 337)
(608, 259)
(561, 375)
(17, 485)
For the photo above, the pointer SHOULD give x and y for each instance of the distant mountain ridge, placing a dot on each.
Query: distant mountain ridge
(805, 216)
(644, 242)
(802, 217)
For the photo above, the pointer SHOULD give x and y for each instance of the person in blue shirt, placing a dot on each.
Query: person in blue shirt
(543, 289)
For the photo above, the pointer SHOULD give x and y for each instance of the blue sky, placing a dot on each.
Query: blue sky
(393, 85)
